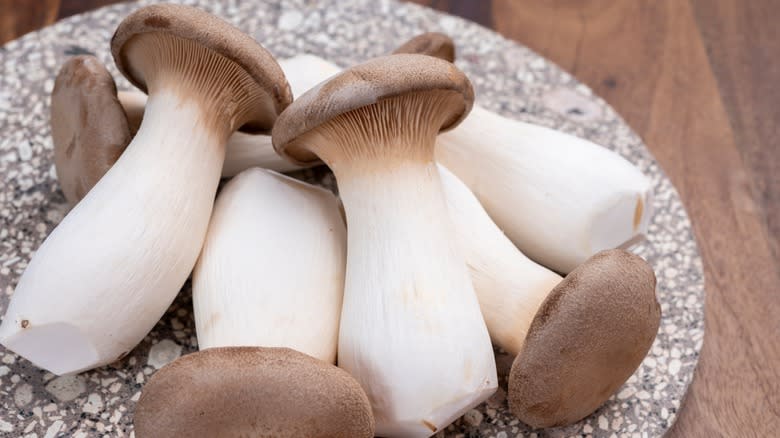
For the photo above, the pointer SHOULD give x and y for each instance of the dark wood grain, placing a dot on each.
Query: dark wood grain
(743, 43)
(697, 80)
(19, 17)
(478, 11)
(72, 7)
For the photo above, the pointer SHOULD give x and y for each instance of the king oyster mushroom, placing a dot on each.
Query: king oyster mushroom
(267, 293)
(578, 197)
(411, 330)
(576, 339)
(107, 272)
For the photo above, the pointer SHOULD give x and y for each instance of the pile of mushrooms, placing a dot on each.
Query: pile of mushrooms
(375, 312)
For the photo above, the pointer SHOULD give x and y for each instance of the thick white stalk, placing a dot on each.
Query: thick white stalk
(411, 330)
(559, 198)
(510, 287)
(271, 272)
(103, 278)
(245, 151)
(305, 71)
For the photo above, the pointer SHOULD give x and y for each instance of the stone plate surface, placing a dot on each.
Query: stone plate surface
(508, 78)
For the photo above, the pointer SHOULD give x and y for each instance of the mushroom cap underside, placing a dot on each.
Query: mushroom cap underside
(370, 83)
(205, 30)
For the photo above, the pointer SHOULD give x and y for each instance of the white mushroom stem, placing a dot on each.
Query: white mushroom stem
(105, 275)
(408, 330)
(271, 272)
(559, 198)
(245, 151)
(510, 287)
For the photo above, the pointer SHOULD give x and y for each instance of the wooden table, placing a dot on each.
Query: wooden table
(697, 80)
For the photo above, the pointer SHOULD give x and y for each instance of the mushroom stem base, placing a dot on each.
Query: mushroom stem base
(411, 331)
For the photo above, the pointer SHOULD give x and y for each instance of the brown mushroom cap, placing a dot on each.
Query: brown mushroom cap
(188, 31)
(587, 338)
(88, 125)
(252, 391)
(433, 44)
(370, 84)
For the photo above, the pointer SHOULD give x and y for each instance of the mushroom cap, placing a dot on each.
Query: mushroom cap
(88, 125)
(252, 391)
(433, 44)
(587, 338)
(213, 33)
(366, 84)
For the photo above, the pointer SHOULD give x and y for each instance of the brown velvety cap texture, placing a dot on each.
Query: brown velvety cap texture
(433, 44)
(587, 338)
(252, 392)
(88, 125)
(209, 31)
(366, 84)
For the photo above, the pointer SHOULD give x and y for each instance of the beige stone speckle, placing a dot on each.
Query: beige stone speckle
(674, 366)
(603, 423)
(54, 429)
(66, 388)
(94, 404)
(290, 20)
(163, 352)
(626, 392)
(25, 152)
(31, 426)
(176, 324)
(6, 426)
(115, 417)
(23, 395)
(473, 417)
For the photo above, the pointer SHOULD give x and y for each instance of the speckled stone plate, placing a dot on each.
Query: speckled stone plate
(509, 79)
